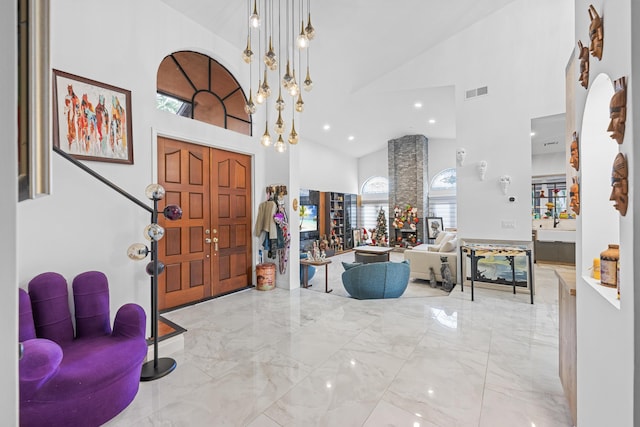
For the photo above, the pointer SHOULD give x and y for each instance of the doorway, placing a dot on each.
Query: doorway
(208, 252)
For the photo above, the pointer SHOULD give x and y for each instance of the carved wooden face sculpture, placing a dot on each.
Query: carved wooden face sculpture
(584, 65)
(618, 110)
(596, 33)
(574, 192)
(619, 184)
(574, 160)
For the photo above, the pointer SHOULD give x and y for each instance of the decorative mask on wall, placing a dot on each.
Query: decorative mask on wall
(482, 169)
(574, 193)
(596, 33)
(505, 180)
(574, 160)
(461, 153)
(584, 65)
(619, 184)
(618, 110)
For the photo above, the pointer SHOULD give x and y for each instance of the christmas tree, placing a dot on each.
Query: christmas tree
(380, 235)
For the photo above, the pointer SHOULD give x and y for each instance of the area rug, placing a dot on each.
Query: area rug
(416, 289)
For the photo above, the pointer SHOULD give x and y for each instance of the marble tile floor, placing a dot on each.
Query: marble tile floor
(303, 358)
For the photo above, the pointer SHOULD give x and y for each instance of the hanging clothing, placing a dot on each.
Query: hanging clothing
(265, 221)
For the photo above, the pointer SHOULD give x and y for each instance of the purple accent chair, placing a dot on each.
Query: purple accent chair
(81, 380)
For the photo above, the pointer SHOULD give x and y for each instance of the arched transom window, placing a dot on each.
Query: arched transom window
(194, 85)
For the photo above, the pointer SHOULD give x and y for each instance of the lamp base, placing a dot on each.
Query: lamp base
(150, 372)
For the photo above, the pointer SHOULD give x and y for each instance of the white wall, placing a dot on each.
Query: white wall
(442, 155)
(524, 72)
(374, 164)
(605, 334)
(85, 225)
(548, 164)
(8, 225)
(322, 170)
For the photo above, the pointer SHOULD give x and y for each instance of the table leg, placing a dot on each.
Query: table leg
(461, 277)
(512, 261)
(474, 267)
(530, 274)
(305, 276)
(326, 279)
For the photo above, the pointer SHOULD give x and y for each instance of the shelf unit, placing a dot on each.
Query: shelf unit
(339, 213)
(553, 192)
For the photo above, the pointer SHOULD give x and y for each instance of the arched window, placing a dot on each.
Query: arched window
(194, 85)
(442, 197)
(374, 196)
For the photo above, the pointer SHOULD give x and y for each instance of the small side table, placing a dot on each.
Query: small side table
(305, 263)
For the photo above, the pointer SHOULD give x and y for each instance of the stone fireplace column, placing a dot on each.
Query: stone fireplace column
(408, 179)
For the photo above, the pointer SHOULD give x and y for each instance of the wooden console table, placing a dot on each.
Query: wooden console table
(475, 250)
(305, 263)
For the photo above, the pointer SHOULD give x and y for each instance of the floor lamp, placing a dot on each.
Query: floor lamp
(158, 367)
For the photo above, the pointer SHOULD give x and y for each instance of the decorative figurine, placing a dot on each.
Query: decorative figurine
(596, 33)
(505, 180)
(482, 169)
(574, 160)
(619, 184)
(461, 153)
(574, 193)
(445, 272)
(584, 65)
(432, 278)
(618, 110)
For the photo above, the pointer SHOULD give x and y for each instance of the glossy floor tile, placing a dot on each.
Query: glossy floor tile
(305, 358)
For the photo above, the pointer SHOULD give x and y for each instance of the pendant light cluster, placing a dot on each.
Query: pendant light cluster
(278, 24)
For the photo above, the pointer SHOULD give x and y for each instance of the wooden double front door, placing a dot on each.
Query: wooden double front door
(208, 252)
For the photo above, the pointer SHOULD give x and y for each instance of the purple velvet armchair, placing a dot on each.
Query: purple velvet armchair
(81, 380)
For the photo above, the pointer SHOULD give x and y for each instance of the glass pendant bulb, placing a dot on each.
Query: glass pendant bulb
(154, 192)
(302, 41)
(260, 94)
(266, 138)
(247, 54)
(308, 83)
(293, 136)
(280, 146)
(294, 89)
(309, 30)
(286, 79)
(279, 126)
(300, 103)
(270, 58)
(266, 89)
(279, 101)
(250, 107)
(254, 19)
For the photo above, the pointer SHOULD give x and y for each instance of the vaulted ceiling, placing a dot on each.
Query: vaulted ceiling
(357, 43)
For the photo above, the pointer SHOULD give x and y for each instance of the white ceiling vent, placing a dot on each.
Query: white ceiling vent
(473, 93)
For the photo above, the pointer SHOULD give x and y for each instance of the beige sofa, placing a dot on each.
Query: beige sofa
(426, 256)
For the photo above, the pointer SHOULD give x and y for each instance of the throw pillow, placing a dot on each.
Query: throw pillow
(348, 265)
(449, 246)
(439, 237)
(434, 248)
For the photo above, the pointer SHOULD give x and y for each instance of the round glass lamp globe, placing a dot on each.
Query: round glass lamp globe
(150, 268)
(154, 192)
(172, 212)
(137, 251)
(153, 232)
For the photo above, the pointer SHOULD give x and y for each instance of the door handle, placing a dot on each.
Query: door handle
(207, 240)
(215, 244)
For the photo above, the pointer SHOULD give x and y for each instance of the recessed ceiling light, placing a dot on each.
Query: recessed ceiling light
(532, 134)
(418, 104)
(326, 127)
(432, 121)
(351, 137)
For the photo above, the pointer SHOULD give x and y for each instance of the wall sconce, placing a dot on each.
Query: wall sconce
(461, 153)
(482, 169)
(505, 180)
